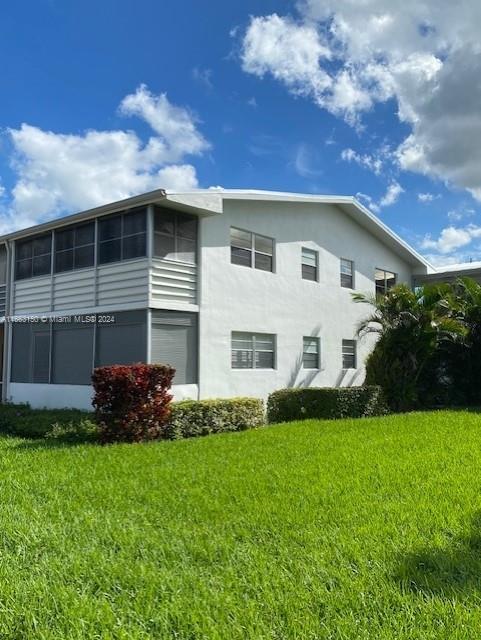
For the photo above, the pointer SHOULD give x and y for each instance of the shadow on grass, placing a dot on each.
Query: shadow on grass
(453, 571)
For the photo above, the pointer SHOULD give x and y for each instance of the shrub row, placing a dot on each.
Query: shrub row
(286, 405)
(191, 418)
(21, 420)
(188, 418)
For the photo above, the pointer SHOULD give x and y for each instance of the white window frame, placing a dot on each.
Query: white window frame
(351, 262)
(316, 256)
(317, 341)
(253, 337)
(352, 343)
(385, 272)
(253, 251)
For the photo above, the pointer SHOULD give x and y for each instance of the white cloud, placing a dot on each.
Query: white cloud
(59, 172)
(347, 55)
(266, 43)
(391, 196)
(455, 215)
(175, 126)
(366, 160)
(427, 197)
(452, 238)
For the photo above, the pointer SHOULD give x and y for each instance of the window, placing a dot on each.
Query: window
(347, 273)
(253, 350)
(174, 342)
(33, 257)
(309, 264)
(75, 247)
(384, 281)
(122, 236)
(310, 353)
(348, 354)
(251, 250)
(175, 236)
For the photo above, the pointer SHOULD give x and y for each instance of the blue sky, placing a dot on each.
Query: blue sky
(314, 97)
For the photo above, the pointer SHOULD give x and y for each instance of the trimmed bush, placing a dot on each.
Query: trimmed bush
(286, 405)
(132, 402)
(191, 418)
(21, 420)
(74, 432)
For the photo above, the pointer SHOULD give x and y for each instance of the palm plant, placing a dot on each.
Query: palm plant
(465, 362)
(414, 328)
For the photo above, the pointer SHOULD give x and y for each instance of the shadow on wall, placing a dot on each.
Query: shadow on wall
(300, 377)
(452, 571)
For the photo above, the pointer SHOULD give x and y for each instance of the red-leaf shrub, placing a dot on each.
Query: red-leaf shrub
(132, 403)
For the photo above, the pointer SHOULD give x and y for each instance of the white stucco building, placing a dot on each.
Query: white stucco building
(243, 292)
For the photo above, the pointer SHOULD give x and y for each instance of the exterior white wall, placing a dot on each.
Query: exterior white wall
(51, 396)
(57, 396)
(237, 298)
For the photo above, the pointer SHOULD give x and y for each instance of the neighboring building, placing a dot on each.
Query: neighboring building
(449, 273)
(243, 292)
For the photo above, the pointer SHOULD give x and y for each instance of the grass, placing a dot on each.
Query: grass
(346, 529)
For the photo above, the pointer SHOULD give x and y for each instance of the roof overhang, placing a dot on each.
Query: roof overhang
(352, 207)
(159, 198)
(208, 202)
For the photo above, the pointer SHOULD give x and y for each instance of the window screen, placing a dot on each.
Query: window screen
(75, 247)
(124, 342)
(33, 257)
(175, 236)
(72, 354)
(122, 236)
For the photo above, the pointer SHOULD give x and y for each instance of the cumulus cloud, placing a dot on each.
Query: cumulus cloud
(347, 56)
(60, 172)
(392, 194)
(390, 197)
(452, 238)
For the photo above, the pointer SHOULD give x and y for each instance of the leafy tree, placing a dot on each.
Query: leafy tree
(416, 330)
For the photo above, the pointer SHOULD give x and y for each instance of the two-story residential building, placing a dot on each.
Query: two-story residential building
(243, 292)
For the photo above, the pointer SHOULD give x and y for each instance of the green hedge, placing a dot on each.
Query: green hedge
(22, 420)
(286, 405)
(191, 418)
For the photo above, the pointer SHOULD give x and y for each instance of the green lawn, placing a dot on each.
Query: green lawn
(346, 529)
